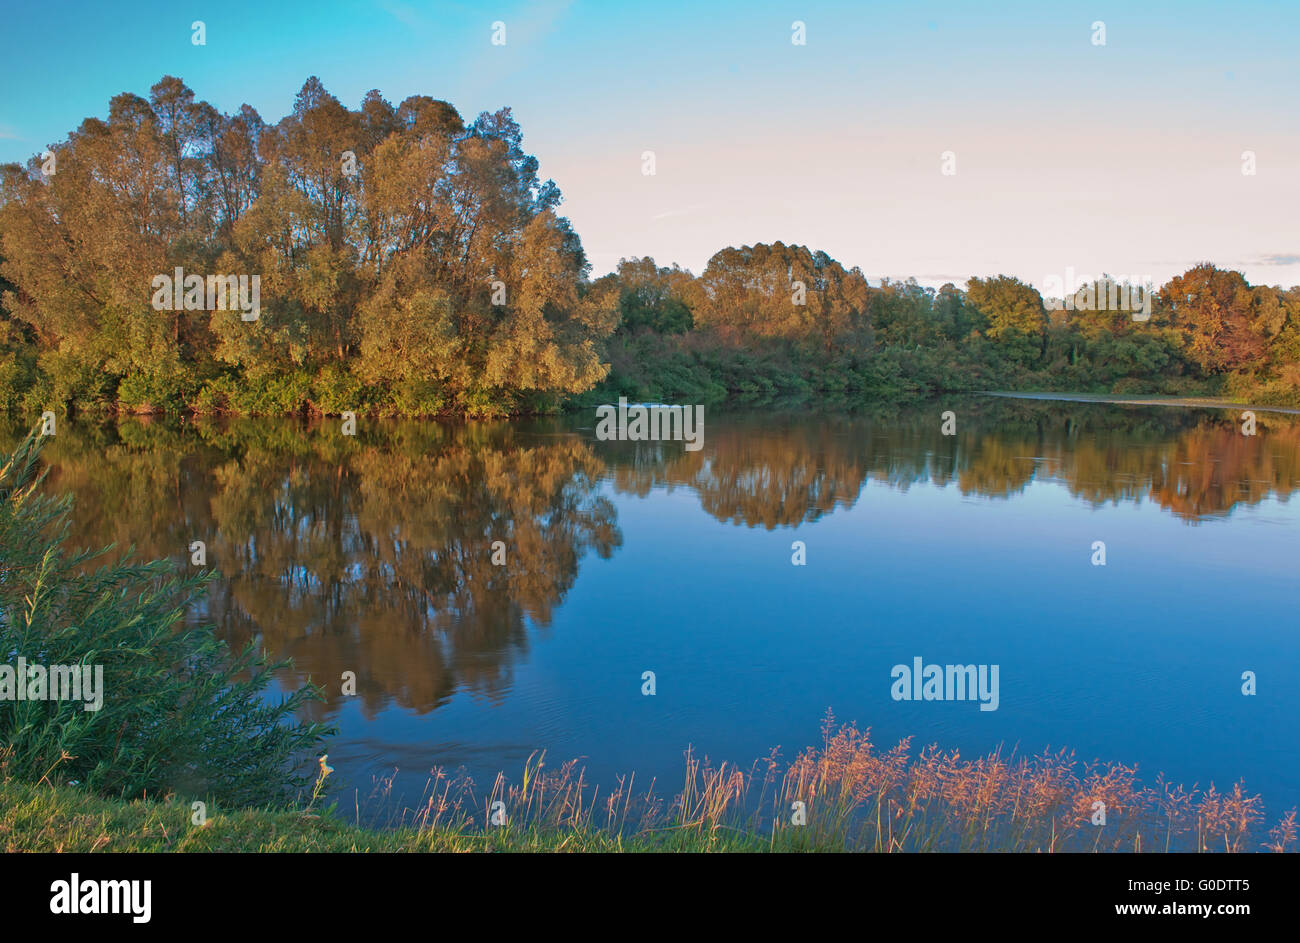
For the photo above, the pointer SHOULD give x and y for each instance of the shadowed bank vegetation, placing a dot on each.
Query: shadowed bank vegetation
(413, 263)
(179, 711)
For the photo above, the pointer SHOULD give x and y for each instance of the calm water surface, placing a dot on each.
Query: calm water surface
(373, 555)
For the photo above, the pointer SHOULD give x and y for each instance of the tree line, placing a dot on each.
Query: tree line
(411, 263)
(775, 319)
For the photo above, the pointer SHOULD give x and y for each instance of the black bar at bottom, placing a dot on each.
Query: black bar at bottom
(328, 893)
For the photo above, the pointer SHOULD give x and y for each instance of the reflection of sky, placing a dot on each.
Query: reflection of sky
(1137, 662)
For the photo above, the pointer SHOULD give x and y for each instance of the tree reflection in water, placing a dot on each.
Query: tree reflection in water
(373, 554)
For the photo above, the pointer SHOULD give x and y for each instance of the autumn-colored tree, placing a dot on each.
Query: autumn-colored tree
(411, 261)
(1008, 305)
(83, 243)
(783, 292)
(1216, 313)
(1284, 351)
(398, 243)
(476, 280)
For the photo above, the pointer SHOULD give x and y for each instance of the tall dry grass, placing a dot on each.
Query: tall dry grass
(856, 797)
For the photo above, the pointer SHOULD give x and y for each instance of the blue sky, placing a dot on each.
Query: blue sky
(1123, 158)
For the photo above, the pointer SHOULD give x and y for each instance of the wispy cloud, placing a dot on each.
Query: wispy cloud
(401, 12)
(684, 211)
(1281, 258)
(941, 277)
(524, 35)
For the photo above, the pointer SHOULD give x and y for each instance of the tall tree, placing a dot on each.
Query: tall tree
(1215, 312)
(782, 292)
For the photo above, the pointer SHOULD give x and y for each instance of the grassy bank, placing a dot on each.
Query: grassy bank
(59, 819)
(44, 818)
(842, 796)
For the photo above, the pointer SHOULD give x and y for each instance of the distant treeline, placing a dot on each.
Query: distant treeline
(408, 263)
(734, 329)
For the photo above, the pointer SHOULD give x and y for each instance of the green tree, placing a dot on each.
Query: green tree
(1014, 313)
(649, 297)
(1008, 305)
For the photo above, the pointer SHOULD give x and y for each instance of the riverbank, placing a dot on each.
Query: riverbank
(45, 819)
(844, 796)
(1180, 401)
(48, 819)
(214, 735)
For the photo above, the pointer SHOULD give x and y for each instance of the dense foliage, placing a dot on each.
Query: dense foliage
(179, 713)
(406, 260)
(1209, 333)
(413, 264)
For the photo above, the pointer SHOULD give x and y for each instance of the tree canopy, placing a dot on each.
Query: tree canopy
(398, 242)
(409, 262)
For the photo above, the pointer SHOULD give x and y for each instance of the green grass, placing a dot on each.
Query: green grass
(44, 818)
